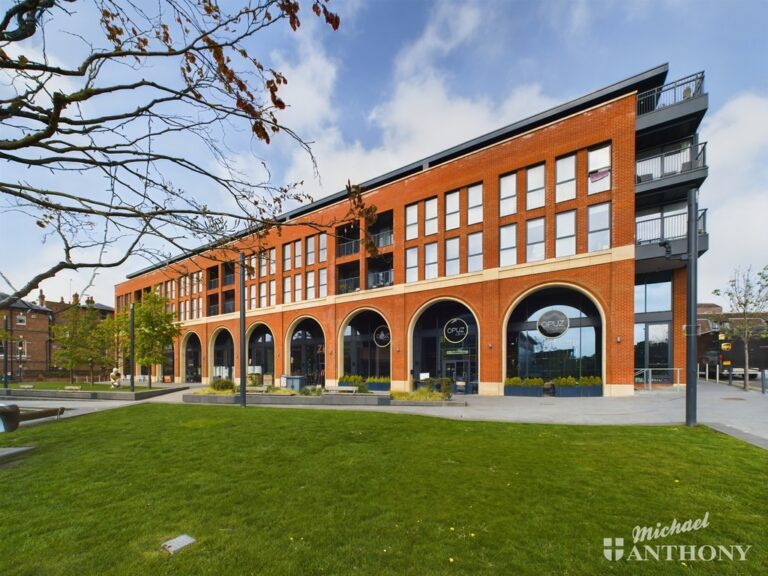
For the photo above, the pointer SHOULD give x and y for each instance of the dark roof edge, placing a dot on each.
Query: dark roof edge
(641, 82)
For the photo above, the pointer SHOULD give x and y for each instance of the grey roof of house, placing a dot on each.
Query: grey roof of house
(647, 80)
(24, 305)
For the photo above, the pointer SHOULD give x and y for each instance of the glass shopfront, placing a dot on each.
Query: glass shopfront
(308, 352)
(223, 356)
(367, 345)
(192, 355)
(556, 332)
(445, 346)
(261, 355)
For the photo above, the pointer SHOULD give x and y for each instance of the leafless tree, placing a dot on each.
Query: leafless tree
(104, 129)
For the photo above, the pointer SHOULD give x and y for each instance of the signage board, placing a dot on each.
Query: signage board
(382, 336)
(552, 324)
(456, 330)
(725, 346)
(726, 362)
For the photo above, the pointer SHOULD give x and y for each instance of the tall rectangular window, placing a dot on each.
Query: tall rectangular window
(311, 285)
(310, 250)
(430, 216)
(298, 289)
(322, 283)
(273, 261)
(411, 221)
(475, 204)
(534, 239)
(263, 295)
(599, 227)
(322, 242)
(565, 174)
(252, 299)
(475, 252)
(286, 257)
(451, 210)
(508, 245)
(430, 261)
(599, 170)
(452, 257)
(508, 194)
(412, 265)
(263, 264)
(272, 292)
(287, 290)
(297, 254)
(535, 179)
(565, 231)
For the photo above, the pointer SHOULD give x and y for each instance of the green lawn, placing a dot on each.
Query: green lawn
(295, 492)
(84, 386)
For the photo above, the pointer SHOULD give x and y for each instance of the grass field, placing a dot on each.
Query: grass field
(295, 492)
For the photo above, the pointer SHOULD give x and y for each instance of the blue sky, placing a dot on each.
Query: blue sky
(403, 79)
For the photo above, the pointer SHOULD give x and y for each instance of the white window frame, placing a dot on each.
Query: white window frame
(322, 247)
(322, 283)
(263, 301)
(310, 285)
(430, 261)
(310, 250)
(430, 216)
(475, 258)
(508, 194)
(535, 196)
(474, 204)
(287, 260)
(598, 171)
(452, 265)
(592, 234)
(530, 255)
(287, 290)
(565, 177)
(412, 221)
(263, 257)
(297, 254)
(412, 264)
(298, 288)
(272, 292)
(452, 210)
(508, 252)
(565, 242)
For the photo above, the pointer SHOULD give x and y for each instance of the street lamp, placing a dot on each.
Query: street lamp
(21, 350)
(5, 351)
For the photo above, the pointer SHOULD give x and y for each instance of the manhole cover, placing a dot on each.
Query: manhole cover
(732, 398)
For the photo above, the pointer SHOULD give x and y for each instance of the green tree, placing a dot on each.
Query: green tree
(74, 336)
(111, 342)
(156, 328)
(747, 295)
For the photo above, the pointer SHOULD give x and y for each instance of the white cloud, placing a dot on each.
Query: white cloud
(736, 192)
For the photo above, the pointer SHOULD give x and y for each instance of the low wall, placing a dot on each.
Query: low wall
(86, 395)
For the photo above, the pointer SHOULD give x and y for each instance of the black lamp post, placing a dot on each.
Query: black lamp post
(5, 352)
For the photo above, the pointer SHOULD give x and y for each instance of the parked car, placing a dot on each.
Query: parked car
(738, 373)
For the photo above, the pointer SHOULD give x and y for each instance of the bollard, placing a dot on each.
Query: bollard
(717, 374)
(762, 380)
(706, 371)
(730, 377)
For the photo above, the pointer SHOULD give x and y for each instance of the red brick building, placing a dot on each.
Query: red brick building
(550, 247)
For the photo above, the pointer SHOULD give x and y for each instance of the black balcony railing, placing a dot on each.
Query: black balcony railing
(347, 285)
(213, 283)
(213, 309)
(229, 306)
(229, 279)
(380, 279)
(348, 248)
(670, 94)
(670, 227)
(671, 163)
(383, 238)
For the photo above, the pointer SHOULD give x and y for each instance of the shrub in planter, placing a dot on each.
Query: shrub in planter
(427, 384)
(223, 385)
(353, 380)
(445, 386)
(591, 386)
(379, 383)
(516, 386)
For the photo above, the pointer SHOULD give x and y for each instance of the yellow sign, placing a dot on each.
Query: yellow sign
(726, 362)
(721, 336)
(725, 346)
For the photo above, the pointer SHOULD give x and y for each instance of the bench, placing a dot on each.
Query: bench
(341, 389)
(26, 386)
(256, 389)
(72, 388)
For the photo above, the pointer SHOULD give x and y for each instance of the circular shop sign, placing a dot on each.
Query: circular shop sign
(382, 337)
(552, 324)
(456, 330)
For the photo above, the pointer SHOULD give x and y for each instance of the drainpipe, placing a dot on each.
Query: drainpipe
(690, 335)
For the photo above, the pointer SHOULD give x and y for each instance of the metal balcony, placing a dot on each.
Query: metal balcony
(348, 248)
(380, 279)
(671, 227)
(347, 285)
(383, 239)
(671, 94)
(671, 164)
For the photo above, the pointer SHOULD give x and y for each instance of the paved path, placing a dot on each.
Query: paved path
(740, 413)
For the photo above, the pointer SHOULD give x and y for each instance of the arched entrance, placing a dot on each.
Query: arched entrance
(308, 352)
(192, 359)
(223, 356)
(261, 355)
(554, 332)
(168, 364)
(366, 345)
(444, 345)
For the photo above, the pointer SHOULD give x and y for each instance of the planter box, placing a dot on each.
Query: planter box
(536, 391)
(378, 387)
(578, 391)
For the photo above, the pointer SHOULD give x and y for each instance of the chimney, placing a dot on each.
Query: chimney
(62, 300)
(89, 301)
(41, 298)
(75, 299)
